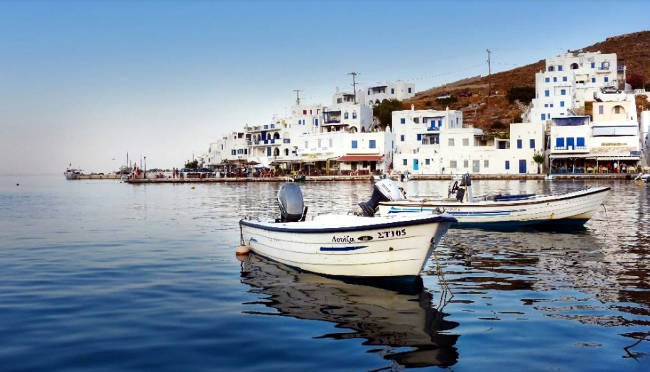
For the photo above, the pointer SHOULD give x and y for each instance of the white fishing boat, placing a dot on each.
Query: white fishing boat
(505, 211)
(348, 244)
(72, 174)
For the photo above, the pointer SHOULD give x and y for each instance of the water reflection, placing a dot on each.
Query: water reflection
(403, 320)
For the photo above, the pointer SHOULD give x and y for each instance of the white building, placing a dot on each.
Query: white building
(436, 142)
(400, 90)
(606, 141)
(347, 113)
(568, 81)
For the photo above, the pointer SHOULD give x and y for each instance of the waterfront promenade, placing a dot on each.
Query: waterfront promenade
(522, 177)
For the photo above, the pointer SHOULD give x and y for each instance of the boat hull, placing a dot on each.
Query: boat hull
(572, 209)
(395, 249)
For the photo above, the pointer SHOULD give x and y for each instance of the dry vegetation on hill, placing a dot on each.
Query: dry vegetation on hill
(494, 113)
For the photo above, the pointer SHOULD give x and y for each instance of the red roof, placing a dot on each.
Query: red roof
(361, 157)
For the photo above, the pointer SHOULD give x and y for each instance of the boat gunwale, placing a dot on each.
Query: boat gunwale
(442, 203)
(411, 222)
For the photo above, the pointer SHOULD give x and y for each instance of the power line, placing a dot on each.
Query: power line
(354, 85)
(297, 96)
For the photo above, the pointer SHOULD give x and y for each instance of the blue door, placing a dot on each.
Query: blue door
(522, 166)
(416, 164)
(570, 145)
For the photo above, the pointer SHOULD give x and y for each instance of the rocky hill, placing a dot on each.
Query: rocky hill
(494, 113)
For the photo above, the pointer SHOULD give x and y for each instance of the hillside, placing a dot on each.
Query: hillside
(494, 114)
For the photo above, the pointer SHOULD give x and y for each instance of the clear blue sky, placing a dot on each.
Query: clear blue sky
(85, 82)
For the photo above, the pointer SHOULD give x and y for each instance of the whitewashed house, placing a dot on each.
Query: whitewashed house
(568, 81)
(347, 113)
(436, 142)
(399, 90)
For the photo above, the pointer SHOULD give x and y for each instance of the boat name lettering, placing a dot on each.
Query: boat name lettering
(342, 239)
(391, 233)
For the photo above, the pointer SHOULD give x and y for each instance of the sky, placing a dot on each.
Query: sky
(86, 82)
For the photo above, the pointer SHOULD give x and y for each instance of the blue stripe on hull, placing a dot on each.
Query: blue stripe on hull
(341, 249)
(555, 224)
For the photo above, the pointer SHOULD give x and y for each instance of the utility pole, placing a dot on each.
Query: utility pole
(489, 72)
(354, 85)
(297, 96)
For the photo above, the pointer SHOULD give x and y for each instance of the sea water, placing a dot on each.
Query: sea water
(100, 275)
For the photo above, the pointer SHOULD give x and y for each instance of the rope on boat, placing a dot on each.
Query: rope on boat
(241, 235)
(605, 208)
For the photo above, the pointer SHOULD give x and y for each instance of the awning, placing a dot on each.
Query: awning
(361, 157)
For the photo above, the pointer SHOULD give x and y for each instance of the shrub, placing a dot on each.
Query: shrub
(384, 110)
(523, 94)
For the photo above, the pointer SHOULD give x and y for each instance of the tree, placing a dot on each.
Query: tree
(192, 164)
(384, 111)
(635, 80)
(539, 159)
(523, 94)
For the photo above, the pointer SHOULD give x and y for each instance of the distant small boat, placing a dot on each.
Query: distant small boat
(506, 211)
(72, 174)
(645, 177)
(298, 179)
(346, 245)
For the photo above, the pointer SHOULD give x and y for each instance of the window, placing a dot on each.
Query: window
(563, 78)
(532, 143)
(440, 122)
(392, 90)
(550, 68)
(368, 91)
(606, 79)
(427, 161)
(547, 80)
(593, 80)
(299, 122)
(617, 109)
(580, 141)
(354, 144)
(451, 142)
(546, 105)
(372, 144)
(404, 162)
(519, 144)
(551, 105)
(401, 138)
(554, 79)
(453, 164)
(559, 142)
(465, 141)
(345, 115)
(465, 163)
(507, 164)
(601, 109)
(563, 92)
(316, 122)
(593, 64)
(354, 114)
(561, 103)
(543, 116)
(486, 163)
(304, 112)
(559, 67)
(402, 121)
(409, 90)
(547, 93)
(416, 120)
(419, 137)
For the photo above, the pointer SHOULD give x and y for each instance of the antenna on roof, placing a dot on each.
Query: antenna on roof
(354, 84)
(297, 96)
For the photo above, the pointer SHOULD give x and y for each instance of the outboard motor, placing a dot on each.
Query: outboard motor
(292, 206)
(384, 190)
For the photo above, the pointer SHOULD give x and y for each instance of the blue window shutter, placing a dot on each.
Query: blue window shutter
(543, 116)
(402, 120)
(547, 80)
(559, 67)
(440, 123)
(532, 143)
(606, 79)
(593, 80)
(547, 93)
(392, 91)
(507, 164)
(580, 142)
(372, 144)
(419, 137)
(402, 138)
(354, 144)
(563, 78)
(519, 144)
(561, 103)
(404, 162)
(593, 64)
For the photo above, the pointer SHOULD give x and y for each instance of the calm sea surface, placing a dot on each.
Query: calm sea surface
(100, 275)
